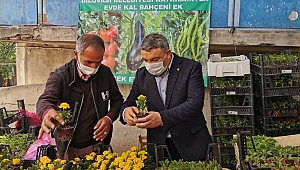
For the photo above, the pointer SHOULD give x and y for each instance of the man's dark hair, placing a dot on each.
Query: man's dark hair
(153, 41)
(87, 40)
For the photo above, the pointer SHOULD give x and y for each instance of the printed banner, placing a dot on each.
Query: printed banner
(122, 24)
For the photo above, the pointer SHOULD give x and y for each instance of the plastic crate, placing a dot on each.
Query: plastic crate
(230, 91)
(279, 104)
(46, 150)
(231, 101)
(34, 131)
(286, 112)
(232, 121)
(271, 127)
(264, 64)
(273, 86)
(231, 130)
(282, 91)
(247, 110)
(229, 150)
(27, 163)
(214, 153)
(229, 162)
(230, 85)
(236, 65)
(281, 132)
(224, 140)
(243, 147)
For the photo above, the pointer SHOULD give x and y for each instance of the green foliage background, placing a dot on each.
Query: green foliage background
(187, 31)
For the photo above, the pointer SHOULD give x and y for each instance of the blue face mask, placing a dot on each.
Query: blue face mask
(85, 69)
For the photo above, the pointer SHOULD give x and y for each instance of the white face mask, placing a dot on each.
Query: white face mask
(156, 69)
(85, 69)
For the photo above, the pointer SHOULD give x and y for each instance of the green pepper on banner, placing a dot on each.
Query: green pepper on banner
(122, 24)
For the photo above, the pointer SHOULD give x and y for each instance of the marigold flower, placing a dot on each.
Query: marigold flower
(133, 149)
(93, 154)
(96, 164)
(89, 157)
(99, 158)
(64, 105)
(16, 161)
(77, 159)
(105, 153)
(44, 160)
(141, 104)
(51, 166)
(103, 166)
(141, 97)
(64, 112)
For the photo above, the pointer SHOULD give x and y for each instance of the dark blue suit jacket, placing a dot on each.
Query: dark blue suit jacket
(182, 114)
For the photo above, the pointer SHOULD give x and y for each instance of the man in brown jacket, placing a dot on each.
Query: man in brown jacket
(89, 88)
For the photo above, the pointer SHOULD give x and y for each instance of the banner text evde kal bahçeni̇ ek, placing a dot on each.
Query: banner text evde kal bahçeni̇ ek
(122, 24)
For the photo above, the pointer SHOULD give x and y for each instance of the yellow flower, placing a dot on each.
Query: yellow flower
(59, 168)
(141, 97)
(89, 157)
(103, 166)
(105, 153)
(140, 164)
(143, 157)
(51, 166)
(133, 149)
(64, 105)
(142, 152)
(96, 164)
(99, 158)
(57, 161)
(133, 155)
(122, 164)
(77, 159)
(64, 112)
(44, 160)
(16, 161)
(43, 167)
(141, 104)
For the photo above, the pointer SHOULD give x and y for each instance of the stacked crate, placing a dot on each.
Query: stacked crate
(277, 89)
(231, 97)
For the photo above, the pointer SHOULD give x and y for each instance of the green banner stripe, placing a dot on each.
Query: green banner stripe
(139, 5)
(124, 78)
(128, 79)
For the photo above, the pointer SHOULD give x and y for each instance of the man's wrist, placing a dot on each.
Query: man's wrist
(109, 119)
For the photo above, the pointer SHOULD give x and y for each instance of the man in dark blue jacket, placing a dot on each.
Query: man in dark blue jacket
(174, 89)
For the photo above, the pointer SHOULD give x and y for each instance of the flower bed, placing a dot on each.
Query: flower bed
(15, 146)
(132, 159)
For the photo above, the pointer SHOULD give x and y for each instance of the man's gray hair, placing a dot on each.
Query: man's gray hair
(153, 41)
(87, 40)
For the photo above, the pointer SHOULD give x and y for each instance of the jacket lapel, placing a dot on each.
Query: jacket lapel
(174, 71)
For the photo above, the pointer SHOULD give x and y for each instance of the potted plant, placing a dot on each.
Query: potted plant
(65, 132)
(141, 104)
